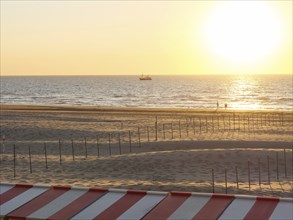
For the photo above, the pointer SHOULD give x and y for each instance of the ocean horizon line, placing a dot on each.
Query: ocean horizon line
(216, 74)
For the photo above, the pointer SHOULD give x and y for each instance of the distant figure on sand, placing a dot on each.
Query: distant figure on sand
(226, 105)
(217, 104)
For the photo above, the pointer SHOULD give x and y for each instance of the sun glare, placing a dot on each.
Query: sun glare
(243, 31)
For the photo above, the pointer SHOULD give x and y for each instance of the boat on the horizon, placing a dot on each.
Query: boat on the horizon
(147, 77)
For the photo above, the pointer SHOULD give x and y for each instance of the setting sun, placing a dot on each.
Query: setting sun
(243, 32)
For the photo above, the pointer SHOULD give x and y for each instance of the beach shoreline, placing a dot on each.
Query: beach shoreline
(110, 109)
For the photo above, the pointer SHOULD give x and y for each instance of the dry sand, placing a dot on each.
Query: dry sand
(171, 149)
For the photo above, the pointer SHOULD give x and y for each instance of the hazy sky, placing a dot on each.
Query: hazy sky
(151, 37)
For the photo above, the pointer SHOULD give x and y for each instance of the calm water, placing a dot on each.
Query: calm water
(239, 92)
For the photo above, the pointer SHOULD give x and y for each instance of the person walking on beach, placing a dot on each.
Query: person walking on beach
(217, 104)
(226, 105)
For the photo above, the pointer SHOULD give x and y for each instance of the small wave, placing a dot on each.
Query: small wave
(263, 98)
(285, 99)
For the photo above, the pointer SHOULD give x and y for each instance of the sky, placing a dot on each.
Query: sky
(146, 37)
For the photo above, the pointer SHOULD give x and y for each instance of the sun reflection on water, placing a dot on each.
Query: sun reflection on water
(243, 90)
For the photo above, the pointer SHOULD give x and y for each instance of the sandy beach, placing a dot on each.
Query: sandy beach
(149, 148)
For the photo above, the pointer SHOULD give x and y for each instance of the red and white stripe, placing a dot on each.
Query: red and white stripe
(19, 201)
(191, 206)
(238, 208)
(17, 196)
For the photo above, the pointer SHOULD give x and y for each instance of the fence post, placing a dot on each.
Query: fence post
(45, 151)
(3, 144)
(292, 159)
(85, 146)
(248, 167)
(244, 122)
(30, 158)
(138, 132)
(234, 121)
(148, 134)
(206, 124)
(129, 136)
(236, 174)
(269, 177)
(239, 120)
(213, 180)
(224, 125)
(72, 148)
(156, 128)
(259, 173)
(179, 129)
(226, 184)
(14, 161)
(285, 163)
(110, 152)
(213, 126)
(277, 161)
(199, 124)
(119, 141)
(172, 131)
(193, 126)
(98, 146)
(60, 152)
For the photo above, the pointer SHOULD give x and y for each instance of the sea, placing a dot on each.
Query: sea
(266, 92)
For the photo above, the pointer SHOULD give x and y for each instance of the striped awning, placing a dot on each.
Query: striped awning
(19, 201)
